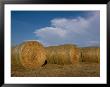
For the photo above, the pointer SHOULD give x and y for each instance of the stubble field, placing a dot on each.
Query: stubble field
(54, 70)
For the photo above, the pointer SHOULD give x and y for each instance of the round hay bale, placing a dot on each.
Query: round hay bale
(14, 57)
(90, 54)
(30, 54)
(62, 54)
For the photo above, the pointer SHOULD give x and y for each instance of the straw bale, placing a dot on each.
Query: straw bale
(90, 54)
(62, 54)
(30, 54)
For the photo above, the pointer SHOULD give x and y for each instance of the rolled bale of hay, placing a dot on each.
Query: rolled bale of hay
(62, 54)
(29, 54)
(90, 54)
(14, 55)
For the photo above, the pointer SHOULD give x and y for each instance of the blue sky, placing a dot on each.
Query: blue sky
(56, 27)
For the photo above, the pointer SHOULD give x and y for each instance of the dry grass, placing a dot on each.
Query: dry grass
(54, 70)
(62, 54)
(30, 54)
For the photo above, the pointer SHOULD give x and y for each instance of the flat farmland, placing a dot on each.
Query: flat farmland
(53, 70)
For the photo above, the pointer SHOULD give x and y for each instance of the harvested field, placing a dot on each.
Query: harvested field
(54, 70)
(33, 60)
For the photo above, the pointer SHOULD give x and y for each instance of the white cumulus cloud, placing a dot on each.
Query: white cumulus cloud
(80, 31)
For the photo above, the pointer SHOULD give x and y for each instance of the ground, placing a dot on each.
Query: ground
(54, 70)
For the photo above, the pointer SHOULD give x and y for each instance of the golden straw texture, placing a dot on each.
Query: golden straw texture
(30, 54)
(90, 54)
(62, 54)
